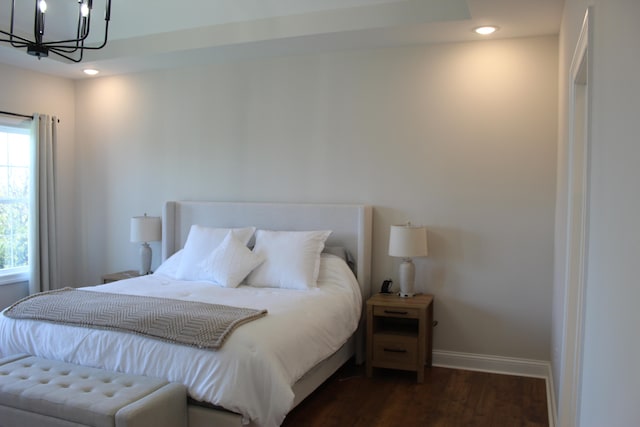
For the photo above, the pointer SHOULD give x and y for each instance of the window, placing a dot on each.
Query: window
(15, 173)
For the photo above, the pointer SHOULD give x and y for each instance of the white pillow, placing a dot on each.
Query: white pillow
(170, 266)
(291, 259)
(230, 263)
(201, 241)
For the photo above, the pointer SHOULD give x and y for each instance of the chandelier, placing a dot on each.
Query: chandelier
(67, 46)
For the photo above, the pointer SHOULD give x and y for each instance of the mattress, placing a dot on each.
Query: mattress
(254, 371)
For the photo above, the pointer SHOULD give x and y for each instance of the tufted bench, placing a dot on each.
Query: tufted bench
(47, 393)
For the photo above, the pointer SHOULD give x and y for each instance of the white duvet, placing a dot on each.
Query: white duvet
(252, 374)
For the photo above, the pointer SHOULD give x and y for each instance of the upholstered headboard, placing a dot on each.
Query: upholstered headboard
(351, 225)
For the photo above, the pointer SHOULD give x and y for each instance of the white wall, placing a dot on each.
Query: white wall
(459, 137)
(27, 92)
(610, 378)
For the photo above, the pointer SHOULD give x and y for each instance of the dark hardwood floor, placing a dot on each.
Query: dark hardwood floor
(447, 398)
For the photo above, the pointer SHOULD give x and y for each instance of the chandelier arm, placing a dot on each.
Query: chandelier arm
(55, 50)
(107, 18)
(13, 6)
(65, 49)
(104, 42)
(68, 57)
(76, 41)
(53, 44)
(21, 43)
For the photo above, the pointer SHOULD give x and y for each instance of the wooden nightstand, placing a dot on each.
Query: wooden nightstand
(399, 333)
(121, 275)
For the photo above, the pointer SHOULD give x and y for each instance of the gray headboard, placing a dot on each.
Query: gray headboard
(351, 225)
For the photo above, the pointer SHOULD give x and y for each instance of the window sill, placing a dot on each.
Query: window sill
(14, 278)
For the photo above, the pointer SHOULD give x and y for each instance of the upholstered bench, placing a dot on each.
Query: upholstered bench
(46, 393)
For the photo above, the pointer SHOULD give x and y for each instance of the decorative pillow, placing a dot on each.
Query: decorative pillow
(170, 266)
(230, 263)
(201, 241)
(291, 259)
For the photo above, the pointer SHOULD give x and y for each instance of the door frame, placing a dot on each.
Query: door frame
(577, 225)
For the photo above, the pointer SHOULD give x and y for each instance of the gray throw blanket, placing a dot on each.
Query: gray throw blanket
(184, 322)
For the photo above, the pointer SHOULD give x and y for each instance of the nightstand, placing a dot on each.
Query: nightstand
(399, 333)
(121, 275)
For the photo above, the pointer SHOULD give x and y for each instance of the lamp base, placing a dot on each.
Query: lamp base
(145, 259)
(407, 278)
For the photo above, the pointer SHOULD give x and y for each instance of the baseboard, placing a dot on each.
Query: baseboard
(501, 365)
(494, 364)
(551, 399)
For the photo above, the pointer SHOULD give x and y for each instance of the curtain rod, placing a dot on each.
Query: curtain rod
(8, 113)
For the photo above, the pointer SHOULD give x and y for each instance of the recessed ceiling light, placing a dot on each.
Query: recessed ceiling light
(91, 71)
(485, 30)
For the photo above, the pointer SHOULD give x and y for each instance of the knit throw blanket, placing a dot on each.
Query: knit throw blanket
(184, 322)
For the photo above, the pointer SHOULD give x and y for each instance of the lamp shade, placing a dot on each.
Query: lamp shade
(146, 228)
(408, 241)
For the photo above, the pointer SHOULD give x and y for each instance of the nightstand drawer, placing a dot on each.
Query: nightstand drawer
(395, 351)
(398, 312)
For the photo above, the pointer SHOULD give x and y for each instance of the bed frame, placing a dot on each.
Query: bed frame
(351, 227)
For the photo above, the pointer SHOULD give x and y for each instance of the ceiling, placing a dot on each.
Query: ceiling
(148, 34)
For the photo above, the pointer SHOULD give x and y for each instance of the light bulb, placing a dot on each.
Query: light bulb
(84, 10)
(486, 30)
(42, 5)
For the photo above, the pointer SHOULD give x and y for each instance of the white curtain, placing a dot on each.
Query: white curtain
(43, 259)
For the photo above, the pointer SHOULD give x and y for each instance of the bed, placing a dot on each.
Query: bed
(254, 378)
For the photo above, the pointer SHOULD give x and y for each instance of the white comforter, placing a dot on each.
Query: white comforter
(251, 374)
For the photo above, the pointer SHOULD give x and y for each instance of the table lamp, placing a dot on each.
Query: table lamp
(145, 229)
(407, 241)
